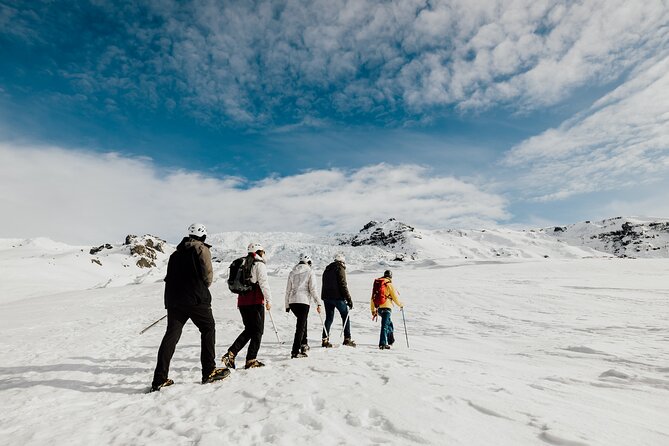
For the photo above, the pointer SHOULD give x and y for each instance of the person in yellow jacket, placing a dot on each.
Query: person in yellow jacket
(382, 306)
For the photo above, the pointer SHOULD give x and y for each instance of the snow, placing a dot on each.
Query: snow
(516, 349)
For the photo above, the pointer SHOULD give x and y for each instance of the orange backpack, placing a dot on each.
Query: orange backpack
(379, 292)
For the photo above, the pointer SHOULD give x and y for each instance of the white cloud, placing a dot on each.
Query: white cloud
(623, 140)
(266, 62)
(78, 196)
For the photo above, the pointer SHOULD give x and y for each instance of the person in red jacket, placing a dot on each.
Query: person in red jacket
(252, 306)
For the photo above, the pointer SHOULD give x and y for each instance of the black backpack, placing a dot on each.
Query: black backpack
(239, 279)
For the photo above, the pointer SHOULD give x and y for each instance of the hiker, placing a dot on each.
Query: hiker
(335, 295)
(300, 289)
(187, 296)
(252, 306)
(384, 296)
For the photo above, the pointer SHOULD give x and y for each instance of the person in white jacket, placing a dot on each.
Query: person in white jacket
(301, 289)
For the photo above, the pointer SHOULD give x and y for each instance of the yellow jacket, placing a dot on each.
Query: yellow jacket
(391, 296)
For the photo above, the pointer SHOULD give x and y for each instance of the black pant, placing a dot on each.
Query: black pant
(253, 317)
(203, 319)
(301, 311)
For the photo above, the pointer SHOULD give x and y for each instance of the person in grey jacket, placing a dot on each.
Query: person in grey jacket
(300, 289)
(335, 295)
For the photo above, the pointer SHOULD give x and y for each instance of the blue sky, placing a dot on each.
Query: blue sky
(321, 115)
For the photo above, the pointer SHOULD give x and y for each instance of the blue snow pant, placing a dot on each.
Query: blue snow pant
(330, 306)
(387, 330)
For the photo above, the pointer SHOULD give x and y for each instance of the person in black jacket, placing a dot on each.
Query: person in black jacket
(335, 295)
(187, 296)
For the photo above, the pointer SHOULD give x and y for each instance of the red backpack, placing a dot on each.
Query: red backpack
(379, 292)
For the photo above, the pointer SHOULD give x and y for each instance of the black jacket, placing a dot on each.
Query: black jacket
(334, 282)
(188, 275)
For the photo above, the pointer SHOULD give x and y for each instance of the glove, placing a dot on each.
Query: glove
(349, 303)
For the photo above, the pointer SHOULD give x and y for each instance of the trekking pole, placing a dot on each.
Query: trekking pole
(327, 335)
(405, 326)
(141, 332)
(345, 321)
(275, 330)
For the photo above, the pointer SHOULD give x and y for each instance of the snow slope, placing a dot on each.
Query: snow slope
(516, 338)
(39, 266)
(561, 352)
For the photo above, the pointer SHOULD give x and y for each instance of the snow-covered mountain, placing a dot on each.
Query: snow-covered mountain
(376, 246)
(622, 237)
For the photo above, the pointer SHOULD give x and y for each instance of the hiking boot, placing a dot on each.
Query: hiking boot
(350, 342)
(157, 387)
(253, 363)
(384, 347)
(326, 343)
(298, 355)
(228, 360)
(305, 348)
(216, 375)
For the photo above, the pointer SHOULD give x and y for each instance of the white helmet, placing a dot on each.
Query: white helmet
(339, 257)
(255, 247)
(197, 229)
(306, 258)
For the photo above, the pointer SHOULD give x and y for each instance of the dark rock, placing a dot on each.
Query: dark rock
(143, 262)
(369, 225)
(146, 248)
(374, 234)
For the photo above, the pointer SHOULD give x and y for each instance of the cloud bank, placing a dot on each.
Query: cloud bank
(621, 141)
(267, 63)
(81, 197)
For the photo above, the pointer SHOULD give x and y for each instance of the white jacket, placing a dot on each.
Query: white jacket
(301, 286)
(259, 276)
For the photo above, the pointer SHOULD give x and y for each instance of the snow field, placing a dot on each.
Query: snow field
(561, 352)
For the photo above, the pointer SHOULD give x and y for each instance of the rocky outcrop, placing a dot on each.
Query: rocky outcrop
(375, 233)
(145, 248)
(142, 250)
(95, 250)
(632, 239)
(619, 236)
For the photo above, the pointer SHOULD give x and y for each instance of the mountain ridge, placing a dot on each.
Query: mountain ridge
(378, 245)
